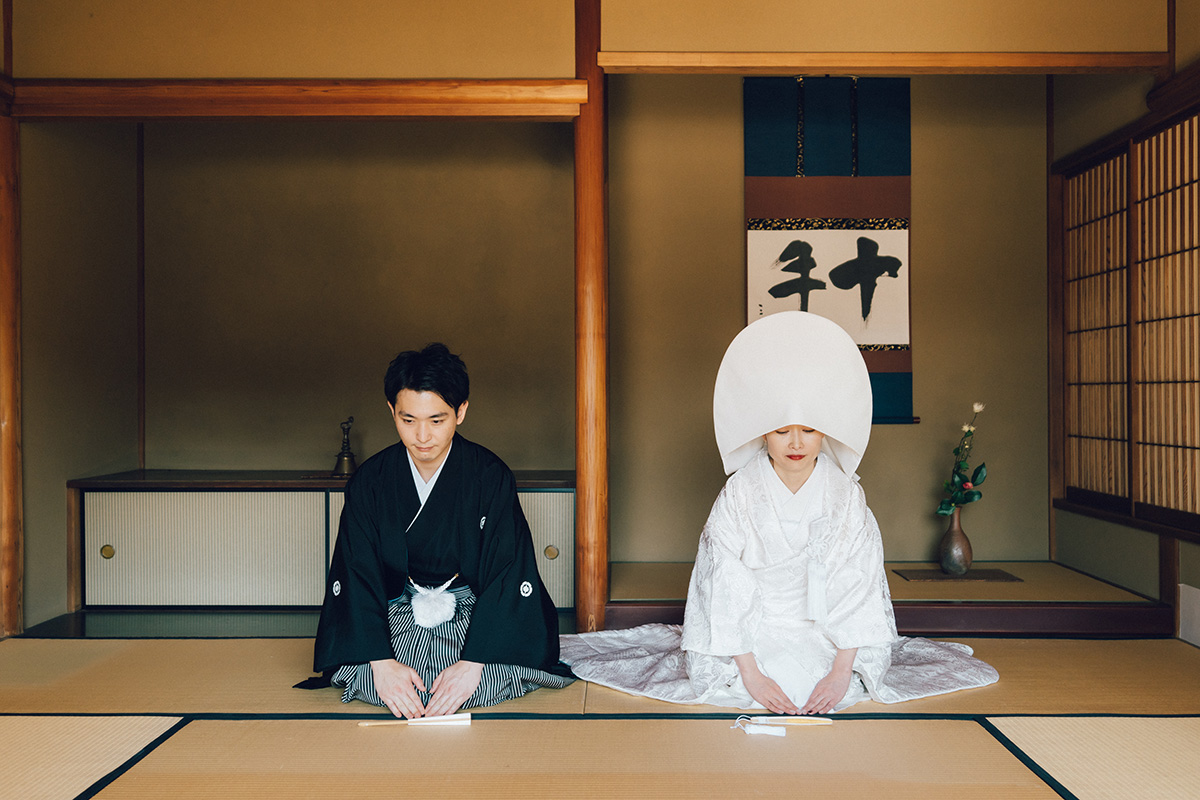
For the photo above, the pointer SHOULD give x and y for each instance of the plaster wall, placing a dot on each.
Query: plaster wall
(978, 311)
(874, 26)
(293, 39)
(79, 331)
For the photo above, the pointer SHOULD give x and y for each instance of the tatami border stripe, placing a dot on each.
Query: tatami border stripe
(1025, 759)
(528, 715)
(132, 761)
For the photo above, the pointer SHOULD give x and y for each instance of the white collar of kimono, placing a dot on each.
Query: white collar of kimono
(792, 368)
(423, 488)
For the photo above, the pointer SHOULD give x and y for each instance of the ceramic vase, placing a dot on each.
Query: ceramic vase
(955, 550)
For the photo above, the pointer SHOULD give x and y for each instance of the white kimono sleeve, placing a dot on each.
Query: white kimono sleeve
(724, 606)
(860, 606)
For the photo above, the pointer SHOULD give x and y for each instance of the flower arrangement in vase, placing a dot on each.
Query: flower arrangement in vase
(954, 552)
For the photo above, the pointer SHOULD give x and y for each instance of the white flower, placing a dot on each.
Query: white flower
(966, 428)
(977, 407)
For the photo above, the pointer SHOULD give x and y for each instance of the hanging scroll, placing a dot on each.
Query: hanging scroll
(827, 200)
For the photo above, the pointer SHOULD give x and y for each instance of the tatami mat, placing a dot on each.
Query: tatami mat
(267, 759)
(586, 740)
(1041, 582)
(255, 676)
(189, 676)
(56, 758)
(1097, 758)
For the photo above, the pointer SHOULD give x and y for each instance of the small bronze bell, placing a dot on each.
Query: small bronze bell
(345, 465)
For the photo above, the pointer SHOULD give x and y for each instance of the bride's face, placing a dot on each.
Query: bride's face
(793, 450)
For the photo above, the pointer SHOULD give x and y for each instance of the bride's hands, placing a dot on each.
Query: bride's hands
(830, 690)
(765, 691)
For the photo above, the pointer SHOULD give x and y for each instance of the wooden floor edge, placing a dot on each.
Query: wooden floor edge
(949, 618)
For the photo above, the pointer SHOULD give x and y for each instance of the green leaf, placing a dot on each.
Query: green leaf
(963, 466)
(968, 434)
(970, 496)
(957, 480)
(946, 508)
(980, 474)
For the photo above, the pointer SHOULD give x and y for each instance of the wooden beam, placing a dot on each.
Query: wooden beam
(12, 536)
(860, 64)
(591, 330)
(549, 100)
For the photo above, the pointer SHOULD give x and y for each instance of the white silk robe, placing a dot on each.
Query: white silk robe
(791, 592)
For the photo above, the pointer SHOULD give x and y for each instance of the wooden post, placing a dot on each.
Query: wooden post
(12, 551)
(1168, 575)
(1055, 292)
(591, 330)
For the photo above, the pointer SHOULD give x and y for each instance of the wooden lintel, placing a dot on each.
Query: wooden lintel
(858, 64)
(549, 100)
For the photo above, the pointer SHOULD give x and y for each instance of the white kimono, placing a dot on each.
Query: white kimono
(791, 580)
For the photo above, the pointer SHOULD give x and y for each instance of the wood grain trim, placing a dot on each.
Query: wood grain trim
(1041, 619)
(591, 330)
(1133, 356)
(140, 170)
(922, 63)
(74, 549)
(12, 536)
(1056, 294)
(551, 100)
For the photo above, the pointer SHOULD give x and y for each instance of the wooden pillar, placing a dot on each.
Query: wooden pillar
(12, 551)
(1055, 293)
(591, 330)
(1168, 575)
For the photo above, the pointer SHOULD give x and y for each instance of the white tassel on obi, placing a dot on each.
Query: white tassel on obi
(432, 607)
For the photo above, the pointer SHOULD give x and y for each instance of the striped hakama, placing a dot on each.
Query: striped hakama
(431, 650)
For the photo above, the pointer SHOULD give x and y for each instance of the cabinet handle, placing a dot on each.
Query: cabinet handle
(551, 552)
(107, 551)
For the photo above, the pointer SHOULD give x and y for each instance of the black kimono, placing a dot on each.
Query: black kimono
(472, 525)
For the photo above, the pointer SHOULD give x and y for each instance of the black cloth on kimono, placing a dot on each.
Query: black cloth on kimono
(471, 524)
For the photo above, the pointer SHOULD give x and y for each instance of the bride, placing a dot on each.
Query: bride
(788, 607)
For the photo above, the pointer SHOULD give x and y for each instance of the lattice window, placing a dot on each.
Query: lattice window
(1131, 339)
(1167, 326)
(1095, 252)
